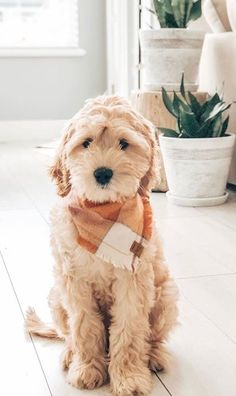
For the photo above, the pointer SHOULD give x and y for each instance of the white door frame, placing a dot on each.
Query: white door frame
(123, 57)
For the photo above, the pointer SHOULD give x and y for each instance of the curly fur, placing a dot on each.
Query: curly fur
(114, 322)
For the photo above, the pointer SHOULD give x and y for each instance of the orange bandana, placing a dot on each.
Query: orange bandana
(116, 232)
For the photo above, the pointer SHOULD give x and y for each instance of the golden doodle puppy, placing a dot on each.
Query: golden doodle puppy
(113, 302)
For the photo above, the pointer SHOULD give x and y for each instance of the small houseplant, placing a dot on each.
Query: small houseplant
(172, 49)
(198, 153)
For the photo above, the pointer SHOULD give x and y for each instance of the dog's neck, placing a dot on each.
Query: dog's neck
(74, 197)
(117, 232)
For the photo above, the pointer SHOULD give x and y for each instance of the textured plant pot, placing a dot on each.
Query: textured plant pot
(197, 169)
(166, 54)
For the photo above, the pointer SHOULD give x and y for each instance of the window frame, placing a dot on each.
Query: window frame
(41, 52)
(123, 56)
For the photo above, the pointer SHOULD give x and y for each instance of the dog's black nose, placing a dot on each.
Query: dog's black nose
(103, 175)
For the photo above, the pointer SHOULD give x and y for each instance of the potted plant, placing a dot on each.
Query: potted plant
(198, 153)
(173, 49)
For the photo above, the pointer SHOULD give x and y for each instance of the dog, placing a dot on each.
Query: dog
(113, 304)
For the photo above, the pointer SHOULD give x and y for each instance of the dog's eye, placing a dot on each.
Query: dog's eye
(123, 144)
(86, 143)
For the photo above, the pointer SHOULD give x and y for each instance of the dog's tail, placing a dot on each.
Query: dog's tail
(35, 326)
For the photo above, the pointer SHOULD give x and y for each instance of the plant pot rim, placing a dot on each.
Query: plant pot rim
(209, 139)
(178, 29)
(175, 32)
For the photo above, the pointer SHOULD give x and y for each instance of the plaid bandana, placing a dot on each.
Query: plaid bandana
(116, 232)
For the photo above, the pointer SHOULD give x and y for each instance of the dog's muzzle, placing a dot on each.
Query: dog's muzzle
(103, 175)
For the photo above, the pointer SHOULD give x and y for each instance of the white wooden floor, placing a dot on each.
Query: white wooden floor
(200, 246)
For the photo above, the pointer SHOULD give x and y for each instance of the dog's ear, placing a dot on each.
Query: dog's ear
(59, 171)
(150, 178)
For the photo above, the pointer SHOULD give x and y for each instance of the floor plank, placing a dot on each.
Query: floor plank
(216, 239)
(187, 257)
(27, 171)
(214, 296)
(163, 210)
(21, 373)
(204, 359)
(12, 195)
(226, 217)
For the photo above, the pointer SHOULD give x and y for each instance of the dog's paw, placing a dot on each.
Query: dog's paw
(156, 367)
(86, 376)
(159, 359)
(66, 358)
(134, 384)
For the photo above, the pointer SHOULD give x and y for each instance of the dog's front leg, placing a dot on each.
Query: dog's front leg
(129, 333)
(89, 364)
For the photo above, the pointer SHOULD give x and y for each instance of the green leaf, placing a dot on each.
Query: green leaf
(169, 132)
(176, 103)
(179, 103)
(209, 105)
(179, 18)
(196, 11)
(217, 126)
(188, 8)
(184, 135)
(167, 102)
(176, 13)
(225, 126)
(218, 109)
(183, 9)
(203, 132)
(170, 21)
(195, 105)
(182, 89)
(160, 12)
(179, 126)
(189, 123)
(167, 6)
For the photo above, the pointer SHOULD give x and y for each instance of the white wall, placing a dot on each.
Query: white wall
(200, 24)
(55, 88)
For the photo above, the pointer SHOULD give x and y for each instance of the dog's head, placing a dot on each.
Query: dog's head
(107, 153)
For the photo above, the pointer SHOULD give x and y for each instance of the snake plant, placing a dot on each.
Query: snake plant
(195, 119)
(177, 13)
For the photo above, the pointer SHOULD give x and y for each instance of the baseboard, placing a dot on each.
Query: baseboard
(40, 130)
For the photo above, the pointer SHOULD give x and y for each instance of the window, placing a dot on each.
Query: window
(39, 24)
(124, 19)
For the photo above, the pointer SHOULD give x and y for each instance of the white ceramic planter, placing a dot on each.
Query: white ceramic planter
(197, 169)
(166, 54)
